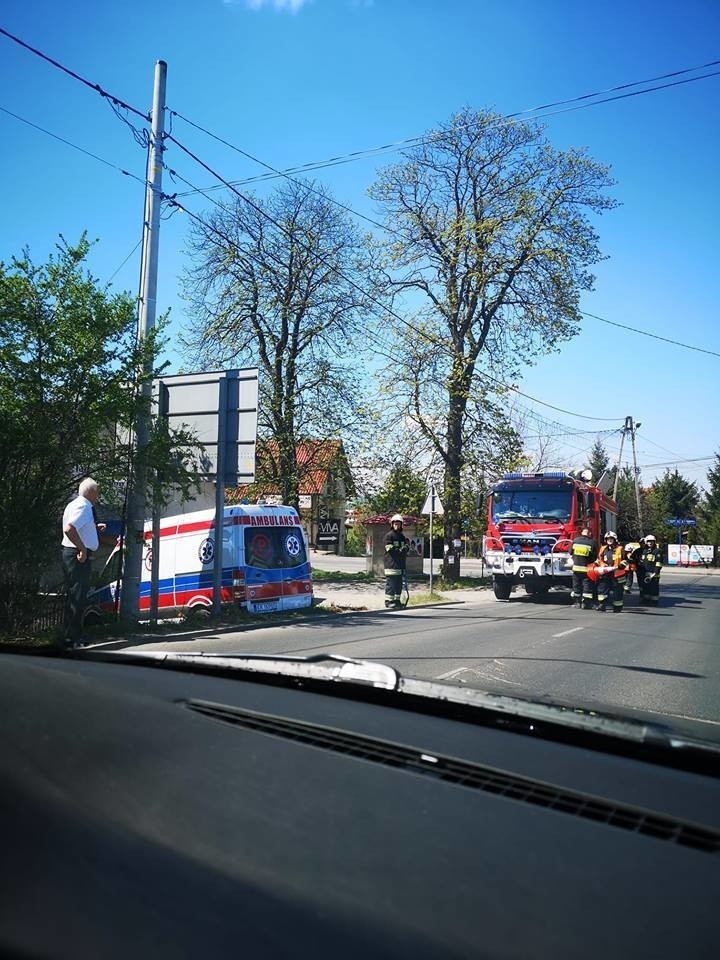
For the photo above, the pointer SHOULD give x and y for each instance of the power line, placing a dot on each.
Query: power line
(227, 243)
(646, 333)
(262, 163)
(282, 229)
(69, 143)
(674, 453)
(115, 272)
(172, 200)
(76, 76)
(671, 463)
(583, 102)
(364, 292)
(569, 413)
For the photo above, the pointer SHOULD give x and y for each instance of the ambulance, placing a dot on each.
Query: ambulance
(265, 563)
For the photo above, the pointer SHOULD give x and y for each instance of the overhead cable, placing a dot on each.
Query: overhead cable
(352, 283)
(279, 173)
(116, 271)
(671, 463)
(581, 102)
(226, 243)
(68, 143)
(655, 336)
(76, 76)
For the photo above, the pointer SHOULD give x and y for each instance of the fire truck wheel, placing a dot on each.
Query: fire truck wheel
(502, 587)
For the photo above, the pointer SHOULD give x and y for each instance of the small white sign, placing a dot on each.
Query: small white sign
(437, 507)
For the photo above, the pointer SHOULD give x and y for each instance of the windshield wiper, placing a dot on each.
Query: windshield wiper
(513, 516)
(525, 715)
(319, 666)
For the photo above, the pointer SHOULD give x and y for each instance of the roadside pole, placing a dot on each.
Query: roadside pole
(130, 597)
(619, 461)
(636, 472)
(220, 498)
(431, 507)
(432, 504)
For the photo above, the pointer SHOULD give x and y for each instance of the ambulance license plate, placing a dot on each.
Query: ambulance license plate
(265, 606)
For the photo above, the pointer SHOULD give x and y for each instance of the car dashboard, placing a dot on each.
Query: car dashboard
(159, 812)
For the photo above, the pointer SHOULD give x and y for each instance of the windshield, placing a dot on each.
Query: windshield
(538, 504)
(440, 298)
(271, 547)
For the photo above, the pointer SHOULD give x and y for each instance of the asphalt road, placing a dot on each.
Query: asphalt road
(665, 660)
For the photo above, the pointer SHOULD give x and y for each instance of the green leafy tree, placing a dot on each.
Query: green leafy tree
(277, 283)
(68, 363)
(629, 525)
(671, 496)
(489, 249)
(404, 491)
(599, 462)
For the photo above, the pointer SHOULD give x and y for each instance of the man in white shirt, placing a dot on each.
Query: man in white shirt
(80, 540)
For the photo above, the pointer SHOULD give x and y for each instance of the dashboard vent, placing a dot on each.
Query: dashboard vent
(471, 775)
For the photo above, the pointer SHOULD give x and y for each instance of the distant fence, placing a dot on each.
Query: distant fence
(49, 613)
(29, 615)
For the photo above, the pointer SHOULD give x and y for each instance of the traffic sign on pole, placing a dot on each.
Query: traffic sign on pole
(432, 504)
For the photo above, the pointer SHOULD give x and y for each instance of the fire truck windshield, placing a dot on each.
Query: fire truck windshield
(531, 504)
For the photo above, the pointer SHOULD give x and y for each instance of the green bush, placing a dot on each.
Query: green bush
(355, 541)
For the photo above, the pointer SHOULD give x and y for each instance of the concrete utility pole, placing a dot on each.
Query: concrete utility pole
(130, 597)
(630, 429)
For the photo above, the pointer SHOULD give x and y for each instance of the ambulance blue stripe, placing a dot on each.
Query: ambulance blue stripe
(205, 578)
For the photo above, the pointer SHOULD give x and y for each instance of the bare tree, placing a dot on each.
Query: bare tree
(489, 250)
(276, 283)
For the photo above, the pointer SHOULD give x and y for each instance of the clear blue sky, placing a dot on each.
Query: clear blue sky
(292, 82)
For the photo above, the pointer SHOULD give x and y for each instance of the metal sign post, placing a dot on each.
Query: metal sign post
(220, 496)
(432, 506)
(680, 522)
(220, 409)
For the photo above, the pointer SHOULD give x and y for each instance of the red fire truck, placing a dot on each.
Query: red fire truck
(532, 521)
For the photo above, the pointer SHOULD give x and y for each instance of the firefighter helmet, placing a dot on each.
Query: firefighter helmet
(396, 517)
(610, 533)
(649, 536)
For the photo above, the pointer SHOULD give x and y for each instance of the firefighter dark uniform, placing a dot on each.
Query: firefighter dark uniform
(611, 583)
(583, 552)
(649, 566)
(631, 552)
(396, 550)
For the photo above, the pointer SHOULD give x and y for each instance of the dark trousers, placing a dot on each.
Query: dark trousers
(393, 586)
(648, 588)
(77, 583)
(612, 588)
(582, 588)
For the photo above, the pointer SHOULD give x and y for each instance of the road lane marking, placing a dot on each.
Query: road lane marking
(452, 673)
(482, 675)
(566, 632)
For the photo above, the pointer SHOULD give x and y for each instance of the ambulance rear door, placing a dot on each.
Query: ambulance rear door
(277, 571)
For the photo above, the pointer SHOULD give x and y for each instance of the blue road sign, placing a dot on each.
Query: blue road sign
(680, 521)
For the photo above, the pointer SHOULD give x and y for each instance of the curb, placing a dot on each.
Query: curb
(137, 639)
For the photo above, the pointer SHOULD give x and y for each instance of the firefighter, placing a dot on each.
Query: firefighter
(583, 551)
(396, 550)
(613, 564)
(632, 552)
(649, 567)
